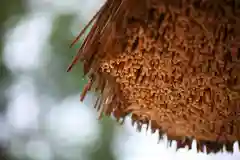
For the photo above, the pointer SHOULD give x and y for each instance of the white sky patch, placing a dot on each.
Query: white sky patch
(25, 42)
(23, 108)
(38, 150)
(132, 145)
(71, 123)
(79, 7)
(91, 7)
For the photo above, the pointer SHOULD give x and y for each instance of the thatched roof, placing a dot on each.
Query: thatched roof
(174, 65)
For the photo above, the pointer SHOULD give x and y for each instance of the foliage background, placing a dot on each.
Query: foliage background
(41, 117)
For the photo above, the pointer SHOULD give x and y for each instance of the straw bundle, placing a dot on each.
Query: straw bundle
(171, 64)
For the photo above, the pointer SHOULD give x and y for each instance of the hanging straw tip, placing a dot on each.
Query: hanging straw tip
(69, 68)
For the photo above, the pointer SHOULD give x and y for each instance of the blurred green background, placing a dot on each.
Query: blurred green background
(41, 116)
(45, 76)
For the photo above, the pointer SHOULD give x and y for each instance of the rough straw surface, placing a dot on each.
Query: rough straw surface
(174, 65)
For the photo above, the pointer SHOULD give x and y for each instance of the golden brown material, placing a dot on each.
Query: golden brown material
(174, 65)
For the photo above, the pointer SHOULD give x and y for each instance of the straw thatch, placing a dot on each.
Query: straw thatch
(173, 64)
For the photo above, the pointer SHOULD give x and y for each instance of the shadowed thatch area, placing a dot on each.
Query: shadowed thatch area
(172, 64)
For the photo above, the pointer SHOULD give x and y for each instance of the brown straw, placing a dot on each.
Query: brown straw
(172, 64)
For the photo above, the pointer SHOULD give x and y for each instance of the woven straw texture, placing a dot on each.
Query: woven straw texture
(172, 64)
